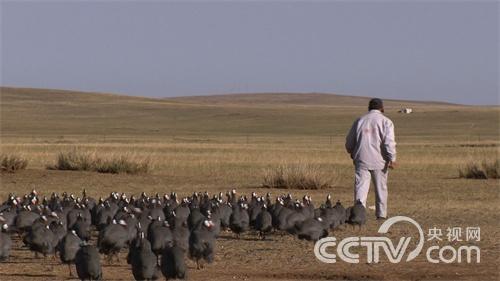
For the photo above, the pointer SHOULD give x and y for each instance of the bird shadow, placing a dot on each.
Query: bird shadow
(18, 262)
(243, 238)
(114, 265)
(27, 275)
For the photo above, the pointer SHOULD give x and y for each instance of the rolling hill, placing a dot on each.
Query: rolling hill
(43, 112)
(300, 99)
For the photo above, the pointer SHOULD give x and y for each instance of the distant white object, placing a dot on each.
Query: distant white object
(372, 207)
(406, 110)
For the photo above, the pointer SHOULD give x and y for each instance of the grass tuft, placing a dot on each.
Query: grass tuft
(85, 161)
(123, 164)
(74, 161)
(480, 170)
(296, 176)
(12, 163)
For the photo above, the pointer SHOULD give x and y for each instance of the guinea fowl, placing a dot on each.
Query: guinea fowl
(25, 219)
(312, 229)
(105, 214)
(5, 243)
(82, 228)
(282, 213)
(254, 208)
(195, 218)
(173, 264)
(225, 210)
(340, 213)
(160, 237)
(328, 202)
(59, 232)
(239, 221)
(73, 215)
(112, 239)
(156, 210)
(202, 243)
(41, 239)
(215, 217)
(264, 222)
(180, 233)
(294, 218)
(142, 259)
(68, 247)
(357, 214)
(8, 217)
(182, 211)
(88, 263)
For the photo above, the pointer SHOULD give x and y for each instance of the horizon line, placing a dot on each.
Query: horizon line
(245, 93)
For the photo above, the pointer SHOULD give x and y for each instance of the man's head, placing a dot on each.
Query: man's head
(376, 104)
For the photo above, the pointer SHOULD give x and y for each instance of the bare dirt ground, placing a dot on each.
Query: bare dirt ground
(284, 257)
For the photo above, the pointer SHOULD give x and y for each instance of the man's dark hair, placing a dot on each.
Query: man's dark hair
(375, 104)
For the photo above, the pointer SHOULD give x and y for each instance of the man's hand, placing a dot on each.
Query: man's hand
(392, 164)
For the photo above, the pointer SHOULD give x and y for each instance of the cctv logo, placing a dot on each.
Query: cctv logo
(372, 244)
(394, 253)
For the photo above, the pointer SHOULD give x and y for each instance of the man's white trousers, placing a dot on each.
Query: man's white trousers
(362, 186)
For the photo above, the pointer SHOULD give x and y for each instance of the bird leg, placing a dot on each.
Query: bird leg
(110, 259)
(70, 272)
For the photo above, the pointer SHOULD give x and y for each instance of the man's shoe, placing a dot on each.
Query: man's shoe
(381, 218)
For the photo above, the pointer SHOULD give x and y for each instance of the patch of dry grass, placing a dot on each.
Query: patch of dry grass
(296, 176)
(12, 162)
(76, 160)
(480, 170)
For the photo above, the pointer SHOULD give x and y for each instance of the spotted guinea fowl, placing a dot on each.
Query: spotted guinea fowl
(112, 239)
(173, 264)
(88, 263)
(25, 219)
(239, 221)
(40, 239)
(312, 229)
(357, 214)
(160, 236)
(5, 243)
(142, 259)
(264, 222)
(82, 227)
(180, 233)
(202, 243)
(68, 247)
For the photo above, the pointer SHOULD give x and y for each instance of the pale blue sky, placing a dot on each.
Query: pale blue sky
(430, 50)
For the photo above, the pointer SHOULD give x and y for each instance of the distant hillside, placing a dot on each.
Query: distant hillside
(305, 99)
(9, 94)
(56, 113)
(244, 99)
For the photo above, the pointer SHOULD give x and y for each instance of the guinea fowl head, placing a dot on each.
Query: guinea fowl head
(208, 224)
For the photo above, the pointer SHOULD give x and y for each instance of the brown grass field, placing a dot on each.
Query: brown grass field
(218, 143)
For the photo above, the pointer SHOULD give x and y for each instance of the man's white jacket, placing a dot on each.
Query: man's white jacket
(371, 141)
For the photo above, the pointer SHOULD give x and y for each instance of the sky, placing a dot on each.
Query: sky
(418, 50)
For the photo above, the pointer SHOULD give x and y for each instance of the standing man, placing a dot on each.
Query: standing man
(372, 146)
